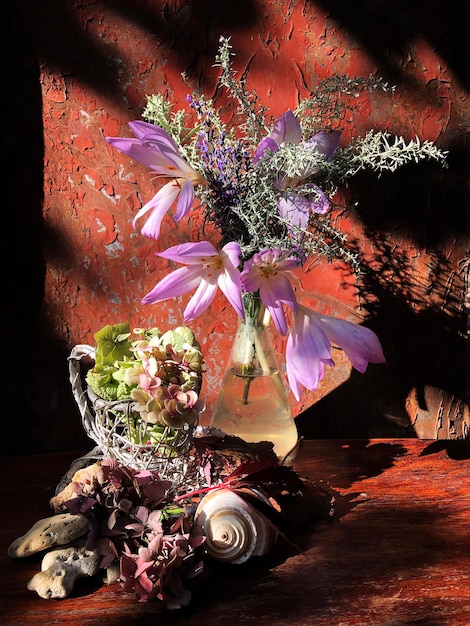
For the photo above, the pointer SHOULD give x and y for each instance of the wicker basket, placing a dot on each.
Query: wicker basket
(109, 424)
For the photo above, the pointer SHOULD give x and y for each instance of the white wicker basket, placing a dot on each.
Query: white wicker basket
(171, 457)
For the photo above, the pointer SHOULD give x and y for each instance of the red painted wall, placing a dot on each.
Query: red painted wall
(96, 61)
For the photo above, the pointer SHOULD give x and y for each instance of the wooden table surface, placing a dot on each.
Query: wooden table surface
(396, 553)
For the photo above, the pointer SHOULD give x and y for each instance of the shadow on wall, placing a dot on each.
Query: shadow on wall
(385, 30)
(191, 30)
(423, 327)
(421, 344)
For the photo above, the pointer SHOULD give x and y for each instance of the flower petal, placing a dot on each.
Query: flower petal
(307, 350)
(295, 209)
(266, 145)
(287, 129)
(318, 202)
(325, 143)
(273, 294)
(233, 251)
(175, 284)
(303, 367)
(230, 285)
(266, 271)
(149, 155)
(200, 300)
(191, 253)
(185, 200)
(159, 206)
(144, 130)
(361, 345)
(308, 347)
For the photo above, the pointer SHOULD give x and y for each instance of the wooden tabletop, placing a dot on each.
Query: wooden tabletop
(396, 553)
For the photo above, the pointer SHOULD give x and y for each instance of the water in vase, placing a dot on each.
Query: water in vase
(254, 407)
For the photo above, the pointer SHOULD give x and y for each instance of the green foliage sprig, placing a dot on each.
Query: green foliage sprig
(243, 206)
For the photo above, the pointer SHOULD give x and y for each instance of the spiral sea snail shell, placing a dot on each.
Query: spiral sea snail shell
(234, 530)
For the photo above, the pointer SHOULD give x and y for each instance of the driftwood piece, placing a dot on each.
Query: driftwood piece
(84, 475)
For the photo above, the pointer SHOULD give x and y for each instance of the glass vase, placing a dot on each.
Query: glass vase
(252, 401)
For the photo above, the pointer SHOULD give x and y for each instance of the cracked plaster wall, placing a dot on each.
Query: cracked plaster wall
(98, 60)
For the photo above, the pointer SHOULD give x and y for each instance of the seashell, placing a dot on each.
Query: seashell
(234, 529)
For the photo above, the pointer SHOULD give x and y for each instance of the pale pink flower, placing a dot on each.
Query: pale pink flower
(206, 269)
(153, 147)
(295, 207)
(268, 272)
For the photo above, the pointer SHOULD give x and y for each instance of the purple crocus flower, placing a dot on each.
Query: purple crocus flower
(286, 129)
(205, 270)
(154, 148)
(266, 272)
(308, 347)
(295, 207)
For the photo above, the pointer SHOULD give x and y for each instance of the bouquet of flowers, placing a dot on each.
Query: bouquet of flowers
(267, 187)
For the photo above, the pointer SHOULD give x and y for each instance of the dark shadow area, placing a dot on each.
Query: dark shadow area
(21, 334)
(424, 203)
(386, 29)
(358, 459)
(422, 325)
(60, 35)
(457, 450)
(378, 560)
(190, 29)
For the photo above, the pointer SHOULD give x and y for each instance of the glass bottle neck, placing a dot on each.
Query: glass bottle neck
(254, 310)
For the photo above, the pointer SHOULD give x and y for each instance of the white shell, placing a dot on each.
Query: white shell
(234, 530)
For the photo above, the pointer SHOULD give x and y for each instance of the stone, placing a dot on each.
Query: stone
(57, 530)
(60, 569)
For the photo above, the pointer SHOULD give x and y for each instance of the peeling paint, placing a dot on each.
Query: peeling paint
(114, 249)
(92, 193)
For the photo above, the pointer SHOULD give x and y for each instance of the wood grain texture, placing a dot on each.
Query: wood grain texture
(395, 553)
